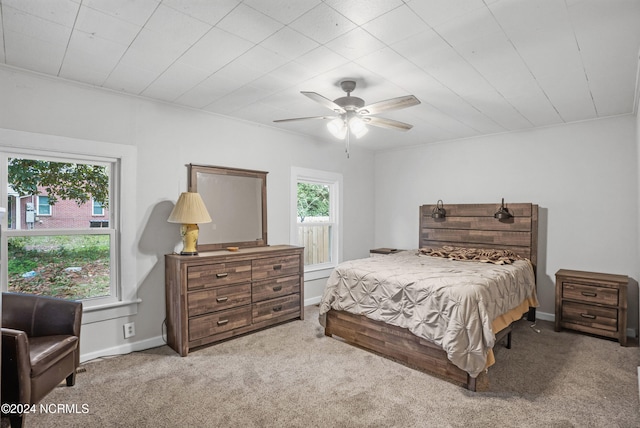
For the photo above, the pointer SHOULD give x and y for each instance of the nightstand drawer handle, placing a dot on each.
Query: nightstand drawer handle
(277, 267)
(589, 294)
(222, 299)
(223, 322)
(277, 308)
(277, 288)
(222, 275)
(591, 317)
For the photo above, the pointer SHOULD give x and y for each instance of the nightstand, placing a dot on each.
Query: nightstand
(382, 251)
(591, 302)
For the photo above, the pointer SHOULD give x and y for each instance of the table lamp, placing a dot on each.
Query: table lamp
(189, 211)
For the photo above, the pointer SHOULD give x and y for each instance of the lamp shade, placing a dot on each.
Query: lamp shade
(189, 209)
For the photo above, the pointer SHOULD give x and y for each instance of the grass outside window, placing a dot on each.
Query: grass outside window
(65, 266)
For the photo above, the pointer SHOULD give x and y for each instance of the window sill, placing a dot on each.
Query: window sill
(93, 314)
(311, 274)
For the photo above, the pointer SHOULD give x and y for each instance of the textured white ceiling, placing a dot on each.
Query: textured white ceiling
(477, 66)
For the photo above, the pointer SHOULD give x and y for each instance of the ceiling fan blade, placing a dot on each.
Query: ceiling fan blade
(386, 123)
(304, 118)
(324, 101)
(390, 104)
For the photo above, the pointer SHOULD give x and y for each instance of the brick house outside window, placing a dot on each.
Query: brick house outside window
(34, 212)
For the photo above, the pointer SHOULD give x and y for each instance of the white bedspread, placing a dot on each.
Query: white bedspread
(450, 303)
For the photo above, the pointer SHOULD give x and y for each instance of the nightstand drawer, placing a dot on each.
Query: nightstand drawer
(277, 287)
(590, 293)
(275, 266)
(590, 316)
(218, 274)
(218, 322)
(218, 299)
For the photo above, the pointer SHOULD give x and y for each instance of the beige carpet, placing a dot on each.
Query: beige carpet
(293, 376)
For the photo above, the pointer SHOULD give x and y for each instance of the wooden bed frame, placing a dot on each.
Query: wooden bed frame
(465, 225)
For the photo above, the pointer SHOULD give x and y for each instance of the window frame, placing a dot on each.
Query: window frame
(111, 164)
(124, 302)
(334, 181)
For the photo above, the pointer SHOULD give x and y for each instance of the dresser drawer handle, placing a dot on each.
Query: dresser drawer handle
(277, 308)
(222, 275)
(591, 317)
(223, 322)
(277, 267)
(277, 288)
(222, 299)
(589, 294)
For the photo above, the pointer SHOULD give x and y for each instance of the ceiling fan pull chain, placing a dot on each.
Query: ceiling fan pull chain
(347, 142)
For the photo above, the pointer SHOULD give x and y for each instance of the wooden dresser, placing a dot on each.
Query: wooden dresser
(593, 303)
(220, 294)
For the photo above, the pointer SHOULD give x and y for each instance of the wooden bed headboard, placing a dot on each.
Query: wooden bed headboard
(473, 225)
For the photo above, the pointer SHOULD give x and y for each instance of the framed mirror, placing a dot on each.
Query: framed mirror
(237, 203)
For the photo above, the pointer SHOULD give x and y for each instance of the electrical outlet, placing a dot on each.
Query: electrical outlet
(129, 330)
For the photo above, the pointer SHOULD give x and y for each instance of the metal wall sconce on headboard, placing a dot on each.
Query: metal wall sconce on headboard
(439, 211)
(503, 213)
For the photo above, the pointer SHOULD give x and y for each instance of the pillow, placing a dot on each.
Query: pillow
(499, 257)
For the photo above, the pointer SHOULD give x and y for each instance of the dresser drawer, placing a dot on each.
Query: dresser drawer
(218, 299)
(590, 293)
(275, 266)
(218, 322)
(218, 274)
(277, 287)
(590, 316)
(264, 311)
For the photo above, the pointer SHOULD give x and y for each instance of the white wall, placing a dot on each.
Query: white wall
(583, 176)
(167, 138)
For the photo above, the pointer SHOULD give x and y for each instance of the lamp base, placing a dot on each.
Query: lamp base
(189, 234)
(188, 253)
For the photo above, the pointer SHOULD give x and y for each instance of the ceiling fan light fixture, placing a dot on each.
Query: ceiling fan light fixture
(357, 127)
(337, 127)
(354, 116)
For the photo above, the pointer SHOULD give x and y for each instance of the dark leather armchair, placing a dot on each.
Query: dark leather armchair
(40, 347)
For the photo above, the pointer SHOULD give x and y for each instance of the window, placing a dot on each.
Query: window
(97, 208)
(119, 236)
(44, 208)
(316, 219)
(59, 255)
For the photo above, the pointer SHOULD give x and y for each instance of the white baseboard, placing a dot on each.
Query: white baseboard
(545, 316)
(127, 348)
(312, 301)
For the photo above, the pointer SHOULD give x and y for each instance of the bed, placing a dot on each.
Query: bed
(437, 314)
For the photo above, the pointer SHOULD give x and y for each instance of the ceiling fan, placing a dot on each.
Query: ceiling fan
(353, 115)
